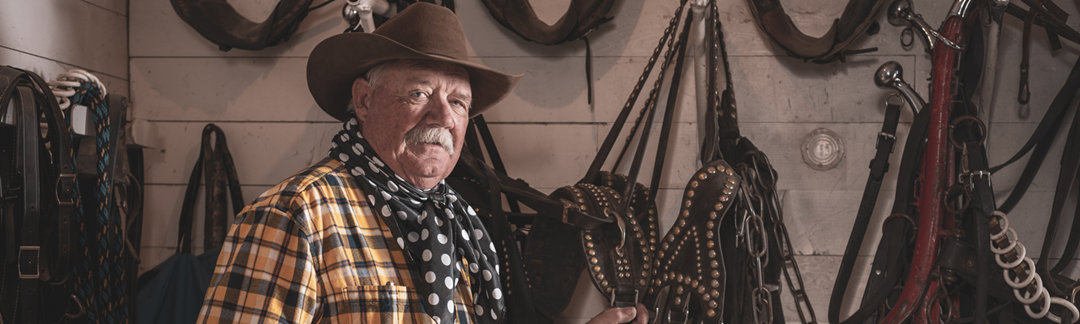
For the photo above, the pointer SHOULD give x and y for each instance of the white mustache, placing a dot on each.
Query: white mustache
(431, 135)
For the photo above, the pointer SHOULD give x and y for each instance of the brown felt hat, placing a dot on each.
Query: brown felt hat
(422, 31)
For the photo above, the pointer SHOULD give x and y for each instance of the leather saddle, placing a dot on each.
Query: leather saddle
(776, 23)
(220, 23)
(582, 17)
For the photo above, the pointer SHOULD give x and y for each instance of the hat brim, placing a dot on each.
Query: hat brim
(337, 61)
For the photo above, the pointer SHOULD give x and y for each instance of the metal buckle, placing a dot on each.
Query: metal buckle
(29, 260)
(883, 136)
(64, 184)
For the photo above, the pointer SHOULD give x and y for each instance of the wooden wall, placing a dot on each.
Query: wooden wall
(546, 131)
(49, 37)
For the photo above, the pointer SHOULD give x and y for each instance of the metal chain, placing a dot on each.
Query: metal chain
(650, 100)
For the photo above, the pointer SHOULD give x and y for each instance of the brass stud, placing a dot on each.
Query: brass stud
(701, 290)
(642, 282)
(729, 172)
(690, 193)
(693, 184)
(713, 304)
(684, 213)
(710, 225)
(729, 186)
(726, 191)
(589, 245)
(714, 264)
(709, 234)
(665, 245)
(711, 170)
(679, 290)
(725, 198)
(715, 284)
(702, 176)
(679, 277)
(676, 230)
(678, 300)
(710, 244)
(721, 168)
(593, 260)
(719, 206)
(712, 254)
(682, 223)
(604, 283)
(588, 237)
(715, 274)
(714, 293)
(686, 204)
(710, 313)
(592, 252)
(712, 215)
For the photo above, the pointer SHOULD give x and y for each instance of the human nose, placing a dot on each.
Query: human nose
(440, 112)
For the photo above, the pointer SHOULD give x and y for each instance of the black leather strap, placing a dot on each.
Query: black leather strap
(1066, 182)
(207, 155)
(878, 167)
(1042, 138)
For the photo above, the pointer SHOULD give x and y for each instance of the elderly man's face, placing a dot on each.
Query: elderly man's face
(416, 119)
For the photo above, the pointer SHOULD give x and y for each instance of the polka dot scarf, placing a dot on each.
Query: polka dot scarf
(436, 228)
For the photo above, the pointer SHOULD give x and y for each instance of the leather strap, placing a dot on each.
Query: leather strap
(1024, 95)
(29, 268)
(1070, 161)
(1042, 138)
(207, 155)
(878, 167)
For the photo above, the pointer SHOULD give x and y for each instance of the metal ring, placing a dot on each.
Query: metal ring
(951, 193)
(1045, 309)
(910, 37)
(1021, 255)
(958, 120)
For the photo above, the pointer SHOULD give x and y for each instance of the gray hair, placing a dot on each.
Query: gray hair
(375, 75)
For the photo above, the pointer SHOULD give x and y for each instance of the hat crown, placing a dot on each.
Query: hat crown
(440, 32)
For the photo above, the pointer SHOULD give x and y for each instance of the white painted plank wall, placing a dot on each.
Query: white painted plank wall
(547, 132)
(49, 37)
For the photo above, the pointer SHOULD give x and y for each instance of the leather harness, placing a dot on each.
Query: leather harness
(857, 16)
(36, 201)
(219, 22)
(582, 17)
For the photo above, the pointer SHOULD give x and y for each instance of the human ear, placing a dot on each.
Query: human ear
(360, 91)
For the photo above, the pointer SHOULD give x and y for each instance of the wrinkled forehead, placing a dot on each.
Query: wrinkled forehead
(412, 67)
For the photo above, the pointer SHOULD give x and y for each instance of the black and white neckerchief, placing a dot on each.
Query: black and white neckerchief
(435, 227)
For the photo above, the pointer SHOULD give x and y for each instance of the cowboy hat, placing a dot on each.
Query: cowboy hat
(421, 31)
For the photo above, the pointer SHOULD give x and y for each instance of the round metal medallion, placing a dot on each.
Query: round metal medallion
(822, 149)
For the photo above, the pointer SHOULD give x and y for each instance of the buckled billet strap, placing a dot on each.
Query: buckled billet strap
(878, 167)
(520, 307)
(857, 16)
(219, 22)
(206, 156)
(39, 254)
(518, 16)
(890, 260)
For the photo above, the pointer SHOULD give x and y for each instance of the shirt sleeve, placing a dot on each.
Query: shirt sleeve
(265, 273)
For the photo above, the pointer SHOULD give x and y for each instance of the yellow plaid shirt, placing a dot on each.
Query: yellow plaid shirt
(310, 250)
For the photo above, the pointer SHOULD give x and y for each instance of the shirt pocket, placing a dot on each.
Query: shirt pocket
(376, 304)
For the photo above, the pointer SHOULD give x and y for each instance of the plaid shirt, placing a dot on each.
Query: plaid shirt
(310, 250)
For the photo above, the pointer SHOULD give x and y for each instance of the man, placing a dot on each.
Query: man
(372, 234)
